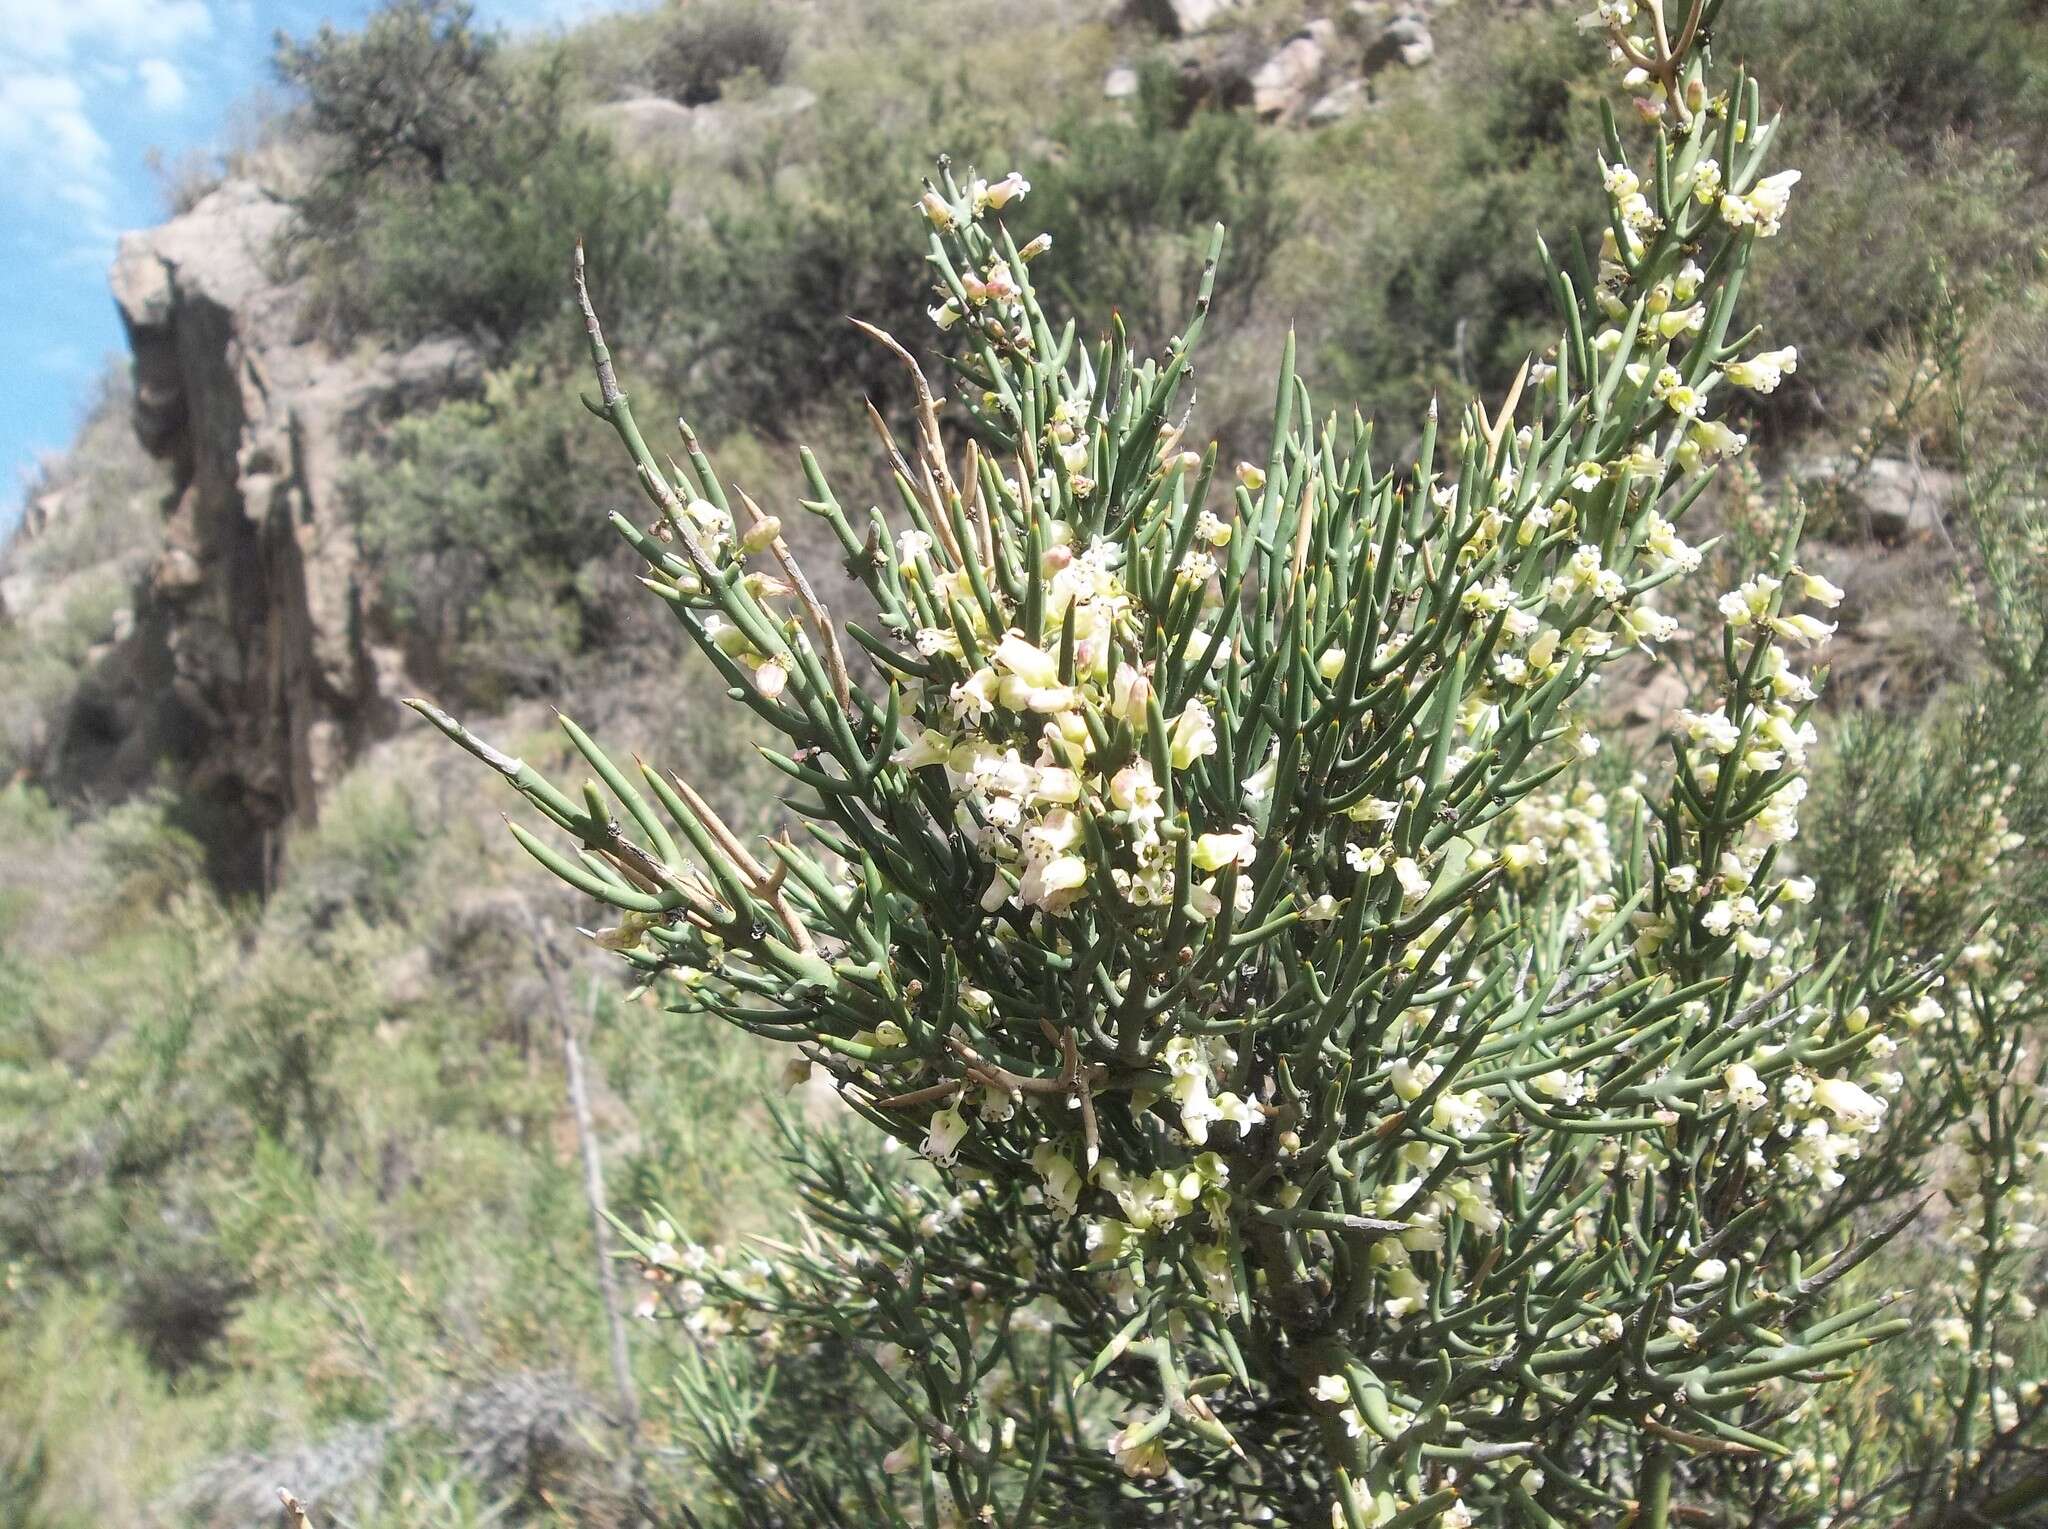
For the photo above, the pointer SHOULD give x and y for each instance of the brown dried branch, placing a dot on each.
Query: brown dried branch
(764, 885)
(835, 658)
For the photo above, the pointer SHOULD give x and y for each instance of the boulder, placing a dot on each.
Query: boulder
(1120, 84)
(1218, 78)
(1404, 39)
(1896, 500)
(661, 131)
(646, 125)
(45, 510)
(1284, 84)
(1409, 37)
(1347, 100)
(1182, 18)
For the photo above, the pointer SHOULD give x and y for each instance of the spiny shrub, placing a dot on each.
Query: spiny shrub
(1339, 1109)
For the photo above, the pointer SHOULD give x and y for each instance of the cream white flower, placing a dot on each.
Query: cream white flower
(1415, 882)
(1463, 1115)
(1744, 1086)
(1000, 194)
(1763, 372)
(1193, 736)
(948, 1129)
(1140, 1459)
(1062, 1179)
(1411, 1078)
(1237, 847)
(1820, 590)
(1851, 1105)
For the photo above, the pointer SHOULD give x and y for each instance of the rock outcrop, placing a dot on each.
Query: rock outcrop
(249, 666)
(1405, 38)
(669, 135)
(1183, 18)
(1283, 85)
(1892, 499)
(1320, 73)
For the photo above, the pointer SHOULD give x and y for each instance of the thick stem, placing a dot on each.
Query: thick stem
(1654, 1507)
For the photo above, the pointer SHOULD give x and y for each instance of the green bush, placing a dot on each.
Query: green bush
(1435, 293)
(450, 175)
(1124, 199)
(816, 235)
(1923, 129)
(711, 42)
(475, 515)
(811, 235)
(1901, 69)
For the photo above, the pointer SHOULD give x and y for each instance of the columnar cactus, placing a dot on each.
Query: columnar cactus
(1342, 1108)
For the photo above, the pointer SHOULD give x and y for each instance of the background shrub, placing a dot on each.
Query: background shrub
(707, 45)
(1129, 203)
(1428, 293)
(448, 175)
(477, 517)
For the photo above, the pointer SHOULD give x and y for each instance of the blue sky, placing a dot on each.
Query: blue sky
(87, 89)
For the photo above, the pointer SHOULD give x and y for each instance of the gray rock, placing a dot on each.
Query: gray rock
(18, 592)
(1120, 84)
(646, 124)
(249, 643)
(657, 130)
(1405, 39)
(1896, 500)
(1283, 85)
(1182, 18)
(1347, 100)
(45, 510)
(1410, 38)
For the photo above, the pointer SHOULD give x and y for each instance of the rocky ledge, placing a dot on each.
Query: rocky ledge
(249, 664)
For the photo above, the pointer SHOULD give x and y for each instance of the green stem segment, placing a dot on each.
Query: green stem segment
(1656, 1496)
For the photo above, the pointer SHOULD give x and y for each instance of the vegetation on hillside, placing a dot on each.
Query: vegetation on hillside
(288, 1192)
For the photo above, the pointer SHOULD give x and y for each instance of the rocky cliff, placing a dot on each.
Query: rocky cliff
(249, 663)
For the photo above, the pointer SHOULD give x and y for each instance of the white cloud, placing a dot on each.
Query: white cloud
(163, 87)
(40, 31)
(47, 135)
(65, 77)
(62, 184)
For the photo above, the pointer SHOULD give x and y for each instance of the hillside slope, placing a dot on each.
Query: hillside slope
(291, 1188)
